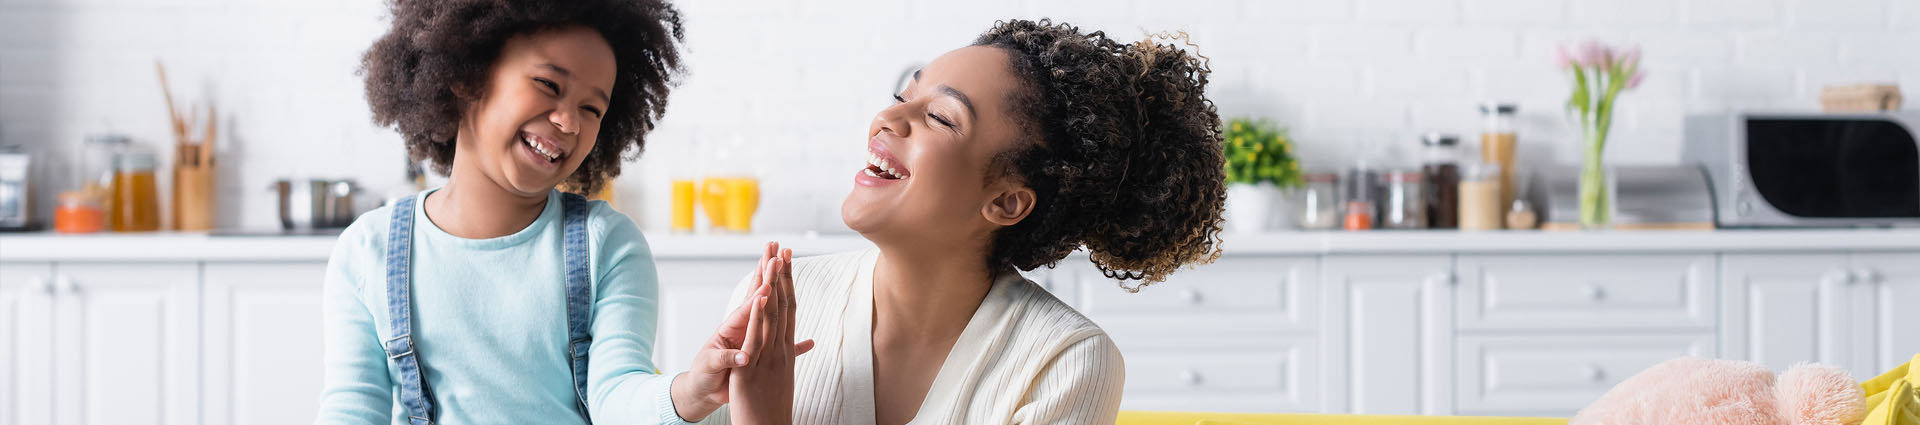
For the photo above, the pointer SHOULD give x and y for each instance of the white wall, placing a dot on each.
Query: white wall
(791, 84)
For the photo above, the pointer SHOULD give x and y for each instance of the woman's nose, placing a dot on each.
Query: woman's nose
(892, 120)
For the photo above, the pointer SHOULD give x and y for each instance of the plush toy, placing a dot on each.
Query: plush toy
(1703, 391)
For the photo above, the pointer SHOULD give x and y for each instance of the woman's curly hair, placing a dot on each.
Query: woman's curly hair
(1122, 150)
(438, 58)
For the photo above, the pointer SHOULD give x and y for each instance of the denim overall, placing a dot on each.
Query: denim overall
(415, 394)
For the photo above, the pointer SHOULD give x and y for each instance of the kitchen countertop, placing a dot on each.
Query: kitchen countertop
(164, 246)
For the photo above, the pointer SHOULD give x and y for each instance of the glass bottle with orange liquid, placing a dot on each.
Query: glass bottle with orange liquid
(135, 201)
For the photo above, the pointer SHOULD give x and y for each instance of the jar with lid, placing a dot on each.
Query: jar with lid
(1497, 143)
(1319, 208)
(1480, 207)
(1441, 166)
(1406, 206)
(96, 162)
(134, 198)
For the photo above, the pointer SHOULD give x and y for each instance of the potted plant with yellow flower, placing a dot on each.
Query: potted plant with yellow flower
(1260, 164)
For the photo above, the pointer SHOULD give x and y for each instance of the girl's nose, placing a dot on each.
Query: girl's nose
(564, 121)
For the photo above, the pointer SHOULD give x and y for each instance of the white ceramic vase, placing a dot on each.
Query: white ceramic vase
(1250, 206)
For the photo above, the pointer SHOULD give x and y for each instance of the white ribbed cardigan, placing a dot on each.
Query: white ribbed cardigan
(1024, 357)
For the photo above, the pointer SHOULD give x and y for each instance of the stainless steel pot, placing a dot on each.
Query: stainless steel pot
(316, 203)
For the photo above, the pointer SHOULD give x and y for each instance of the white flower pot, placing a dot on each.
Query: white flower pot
(1250, 206)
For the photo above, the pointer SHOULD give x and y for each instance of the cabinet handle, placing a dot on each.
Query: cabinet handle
(1192, 296)
(1191, 377)
(1837, 277)
(40, 283)
(1593, 292)
(62, 283)
(1864, 276)
(1594, 373)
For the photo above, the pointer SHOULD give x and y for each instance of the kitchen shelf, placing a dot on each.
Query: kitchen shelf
(161, 246)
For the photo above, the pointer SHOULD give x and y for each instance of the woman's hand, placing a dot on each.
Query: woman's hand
(762, 391)
(704, 388)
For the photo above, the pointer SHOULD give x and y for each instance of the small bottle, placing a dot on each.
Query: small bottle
(79, 212)
(1480, 197)
(1406, 203)
(1442, 169)
(1319, 205)
(1497, 143)
(1359, 215)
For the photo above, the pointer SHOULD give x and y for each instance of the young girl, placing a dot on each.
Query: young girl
(1037, 140)
(496, 298)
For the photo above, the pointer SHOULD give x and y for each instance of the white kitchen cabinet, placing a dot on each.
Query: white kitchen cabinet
(1590, 291)
(693, 299)
(1839, 309)
(1236, 335)
(261, 347)
(1389, 334)
(1891, 286)
(126, 343)
(1532, 375)
(26, 343)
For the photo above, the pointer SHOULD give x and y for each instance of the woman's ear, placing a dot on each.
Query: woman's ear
(1012, 203)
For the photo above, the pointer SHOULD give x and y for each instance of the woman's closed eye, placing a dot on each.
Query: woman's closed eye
(897, 99)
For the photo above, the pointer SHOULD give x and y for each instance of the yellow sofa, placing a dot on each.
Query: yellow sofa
(1135, 417)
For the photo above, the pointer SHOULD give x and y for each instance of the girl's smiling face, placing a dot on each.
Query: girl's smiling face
(540, 113)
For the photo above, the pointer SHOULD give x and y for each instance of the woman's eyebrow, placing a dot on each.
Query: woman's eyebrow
(952, 92)
(957, 95)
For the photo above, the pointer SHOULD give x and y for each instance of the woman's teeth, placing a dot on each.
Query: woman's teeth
(538, 148)
(882, 168)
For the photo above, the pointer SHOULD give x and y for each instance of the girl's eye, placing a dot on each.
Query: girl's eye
(595, 111)
(548, 84)
(898, 99)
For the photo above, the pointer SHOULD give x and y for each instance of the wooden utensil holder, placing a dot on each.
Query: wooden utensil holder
(193, 198)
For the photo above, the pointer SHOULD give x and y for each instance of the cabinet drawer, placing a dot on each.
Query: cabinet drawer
(1278, 291)
(1587, 292)
(1280, 379)
(1557, 375)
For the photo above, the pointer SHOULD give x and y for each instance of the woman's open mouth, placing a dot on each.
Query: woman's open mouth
(878, 166)
(882, 164)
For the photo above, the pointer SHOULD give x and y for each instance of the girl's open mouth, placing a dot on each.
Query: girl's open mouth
(543, 148)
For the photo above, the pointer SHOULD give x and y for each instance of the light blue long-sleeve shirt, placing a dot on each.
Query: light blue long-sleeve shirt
(490, 324)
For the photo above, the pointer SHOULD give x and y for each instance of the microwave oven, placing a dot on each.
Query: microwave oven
(1809, 169)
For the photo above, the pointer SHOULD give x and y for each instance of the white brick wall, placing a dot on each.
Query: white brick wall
(789, 86)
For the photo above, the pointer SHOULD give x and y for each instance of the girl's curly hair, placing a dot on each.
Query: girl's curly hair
(438, 57)
(1122, 150)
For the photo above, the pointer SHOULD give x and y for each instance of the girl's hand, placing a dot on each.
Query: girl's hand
(762, 391)
(704, 388)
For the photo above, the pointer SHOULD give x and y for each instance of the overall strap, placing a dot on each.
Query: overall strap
(415, 395)
(574, 209)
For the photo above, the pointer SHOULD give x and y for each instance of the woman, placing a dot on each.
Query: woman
(1005, 155)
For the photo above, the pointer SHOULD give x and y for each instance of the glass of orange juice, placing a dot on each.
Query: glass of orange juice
(683, 202)
(730, 202)
(742, 200)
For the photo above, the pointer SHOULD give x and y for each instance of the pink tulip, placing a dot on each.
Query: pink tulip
(1592, 54)
(1562, 59)
(1634, 81)
(1630, 56)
